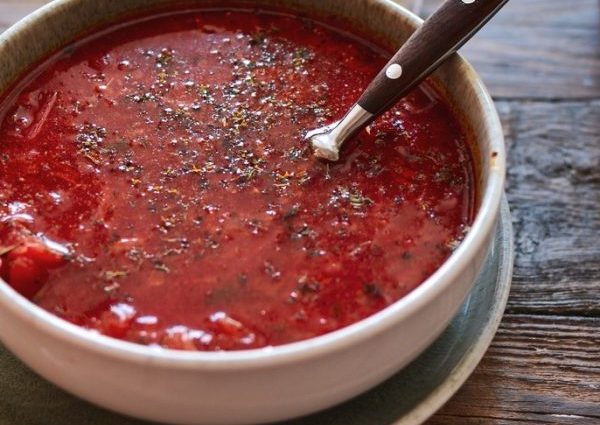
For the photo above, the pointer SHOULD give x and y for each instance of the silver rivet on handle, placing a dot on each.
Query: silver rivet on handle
(394, 71)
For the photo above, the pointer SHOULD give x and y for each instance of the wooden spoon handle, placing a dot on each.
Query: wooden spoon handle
(444, 32)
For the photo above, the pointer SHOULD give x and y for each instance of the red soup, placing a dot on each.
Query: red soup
(155, 185)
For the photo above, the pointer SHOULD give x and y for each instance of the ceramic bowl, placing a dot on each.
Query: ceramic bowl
(273, 383)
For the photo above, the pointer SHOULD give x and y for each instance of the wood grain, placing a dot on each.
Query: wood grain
(554, 188)
(536, 49)
(539, 370)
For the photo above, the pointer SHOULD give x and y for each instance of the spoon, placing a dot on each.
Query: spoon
(444, 32)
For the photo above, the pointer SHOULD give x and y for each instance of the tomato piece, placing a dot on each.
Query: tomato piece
(179, 341)
(40, 253)
(26, 276)
(116, 321)
(25, 268)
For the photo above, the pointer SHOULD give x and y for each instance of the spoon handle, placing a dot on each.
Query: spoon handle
(444, 32)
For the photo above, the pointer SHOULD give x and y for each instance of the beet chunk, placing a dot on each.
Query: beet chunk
(26, 267)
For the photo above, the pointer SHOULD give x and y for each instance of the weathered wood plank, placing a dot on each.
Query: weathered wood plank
(538, 49)
(539, 370)
(554, 190)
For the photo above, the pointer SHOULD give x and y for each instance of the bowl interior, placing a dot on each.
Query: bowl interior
(57, 24)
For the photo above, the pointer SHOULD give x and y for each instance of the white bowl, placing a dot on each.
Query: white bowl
(268, 384)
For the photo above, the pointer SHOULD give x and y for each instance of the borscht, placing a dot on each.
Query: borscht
(156, 185)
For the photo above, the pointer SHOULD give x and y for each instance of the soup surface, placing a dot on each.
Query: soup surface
(155, 184)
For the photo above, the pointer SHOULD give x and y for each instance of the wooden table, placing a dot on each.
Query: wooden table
(541, 62)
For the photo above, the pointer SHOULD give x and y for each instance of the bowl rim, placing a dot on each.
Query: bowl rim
(418, 298)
